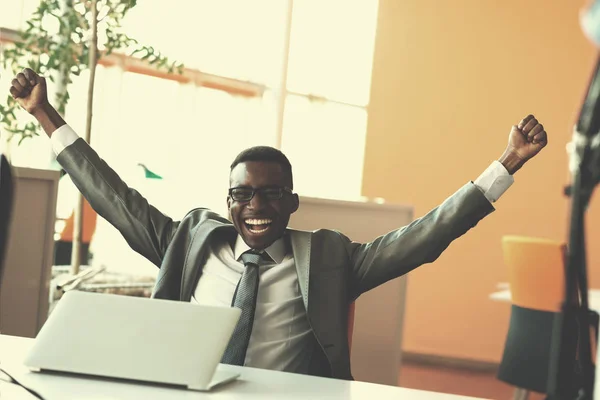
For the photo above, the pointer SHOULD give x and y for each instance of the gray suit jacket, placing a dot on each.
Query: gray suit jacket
(332, 270)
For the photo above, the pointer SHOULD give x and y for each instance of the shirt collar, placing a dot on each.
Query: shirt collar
(277, 251)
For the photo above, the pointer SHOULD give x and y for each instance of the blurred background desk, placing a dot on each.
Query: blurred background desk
(593, 297)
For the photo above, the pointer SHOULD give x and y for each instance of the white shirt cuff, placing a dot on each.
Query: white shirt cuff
(62, 138)
(494, 181)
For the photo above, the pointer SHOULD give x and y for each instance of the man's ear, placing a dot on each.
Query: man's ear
(295, 203)
(229, 206)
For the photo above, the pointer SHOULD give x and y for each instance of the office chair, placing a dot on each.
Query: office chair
(351, 310)
(536, 270)
(64, 245)
(6, 199)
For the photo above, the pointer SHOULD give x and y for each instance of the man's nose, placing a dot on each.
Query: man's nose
(257, 202)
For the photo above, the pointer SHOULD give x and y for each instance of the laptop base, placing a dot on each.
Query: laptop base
(219, 378)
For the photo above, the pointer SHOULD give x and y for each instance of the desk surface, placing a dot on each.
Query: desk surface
(253, 384)
(593, 297)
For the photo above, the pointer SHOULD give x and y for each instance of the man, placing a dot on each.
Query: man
(294, 287)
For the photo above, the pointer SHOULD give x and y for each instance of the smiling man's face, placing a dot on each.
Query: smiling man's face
(261, 221)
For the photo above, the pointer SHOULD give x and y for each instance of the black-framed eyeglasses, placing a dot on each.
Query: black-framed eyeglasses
(269, 193)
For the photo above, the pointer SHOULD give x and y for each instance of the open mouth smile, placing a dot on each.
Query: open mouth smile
(258, 226)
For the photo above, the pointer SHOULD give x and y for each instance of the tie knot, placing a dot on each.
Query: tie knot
(251, 258)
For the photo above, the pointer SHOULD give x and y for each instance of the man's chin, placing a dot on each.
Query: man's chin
(258, 242)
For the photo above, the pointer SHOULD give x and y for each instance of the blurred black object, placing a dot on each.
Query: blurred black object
(571, 336)
(6, 199)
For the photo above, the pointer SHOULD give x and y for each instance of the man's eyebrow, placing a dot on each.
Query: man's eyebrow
(271, 187)
(259, 187)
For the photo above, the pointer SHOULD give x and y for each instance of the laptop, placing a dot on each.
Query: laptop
(150, 340)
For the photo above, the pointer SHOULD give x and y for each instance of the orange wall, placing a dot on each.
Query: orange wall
(449, 80)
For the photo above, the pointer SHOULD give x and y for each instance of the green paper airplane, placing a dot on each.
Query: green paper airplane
(149, 174)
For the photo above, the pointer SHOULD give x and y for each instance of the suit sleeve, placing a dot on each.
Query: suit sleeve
(400, 251)
(145, 229)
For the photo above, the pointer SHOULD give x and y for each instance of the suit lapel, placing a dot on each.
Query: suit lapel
(197, 253)
(301, 242)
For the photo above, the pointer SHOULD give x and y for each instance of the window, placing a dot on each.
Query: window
(184, 133)
(190, 134)
(325, 143)
(235, 38)
(331, 49)
(324, 97)
(307, 64)
(16, 12)
(330, 60)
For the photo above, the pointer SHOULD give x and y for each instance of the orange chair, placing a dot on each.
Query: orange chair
(89, 224)
(64, 245)
(536, 270)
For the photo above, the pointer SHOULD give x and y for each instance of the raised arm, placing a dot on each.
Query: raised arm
(145, 228)
(403, 250)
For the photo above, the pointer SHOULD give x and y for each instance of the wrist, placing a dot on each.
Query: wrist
(48, 117)
(511, 161)
(41, 110)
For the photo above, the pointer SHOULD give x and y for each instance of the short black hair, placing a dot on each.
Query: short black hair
(266, 154)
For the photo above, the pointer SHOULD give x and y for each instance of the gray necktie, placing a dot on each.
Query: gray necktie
(245, 299)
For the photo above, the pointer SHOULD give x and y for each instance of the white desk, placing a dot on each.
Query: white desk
(593, 297)
(253, 384)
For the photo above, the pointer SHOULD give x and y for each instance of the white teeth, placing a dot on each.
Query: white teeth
(255, 222)
(258, 230)
(258, 221)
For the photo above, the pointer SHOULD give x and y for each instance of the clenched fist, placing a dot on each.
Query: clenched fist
(525, 140)
(29, 89)
(528, 138)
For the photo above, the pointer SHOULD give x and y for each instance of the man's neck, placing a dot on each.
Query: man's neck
(277, 250)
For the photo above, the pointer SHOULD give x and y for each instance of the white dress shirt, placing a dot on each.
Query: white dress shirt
(280, 338)
(280, 333)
